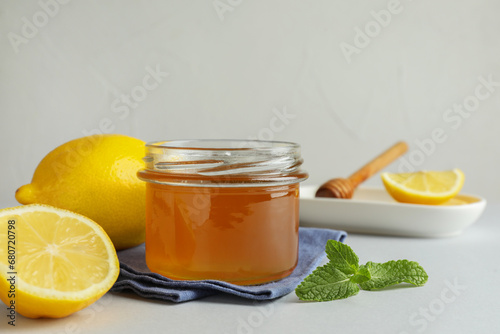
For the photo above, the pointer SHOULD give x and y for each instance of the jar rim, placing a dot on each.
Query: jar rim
(235, 144)
(222, 162)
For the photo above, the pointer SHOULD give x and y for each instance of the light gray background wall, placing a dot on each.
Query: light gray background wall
(233, 65)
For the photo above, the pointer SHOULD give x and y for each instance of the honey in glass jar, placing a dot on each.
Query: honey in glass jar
(222, 209)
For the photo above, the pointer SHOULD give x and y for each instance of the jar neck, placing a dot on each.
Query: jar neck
(223, 163)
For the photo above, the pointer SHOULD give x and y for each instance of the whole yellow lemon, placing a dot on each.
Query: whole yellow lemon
(95, 176)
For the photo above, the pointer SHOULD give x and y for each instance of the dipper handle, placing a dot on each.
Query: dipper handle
(378, 163)
(344, 188)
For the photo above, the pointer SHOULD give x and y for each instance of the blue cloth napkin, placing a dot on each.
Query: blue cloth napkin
(135, 275)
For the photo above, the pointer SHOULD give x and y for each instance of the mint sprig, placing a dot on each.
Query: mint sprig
(342, 277)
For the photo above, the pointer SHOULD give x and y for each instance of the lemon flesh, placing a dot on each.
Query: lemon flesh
(424, 187)
(95, 176)
(62, 261)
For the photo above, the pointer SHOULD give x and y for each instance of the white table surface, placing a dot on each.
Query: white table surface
(469, 263)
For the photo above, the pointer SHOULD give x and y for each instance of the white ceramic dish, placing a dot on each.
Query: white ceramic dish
(373, 211)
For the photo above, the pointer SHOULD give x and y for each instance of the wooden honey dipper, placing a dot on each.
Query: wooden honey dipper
(344, 188)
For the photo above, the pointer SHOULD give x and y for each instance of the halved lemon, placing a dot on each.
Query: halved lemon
(53, 262)
(425, 187)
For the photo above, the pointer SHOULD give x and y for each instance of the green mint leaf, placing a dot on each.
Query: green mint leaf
(326, 283)
(362, 275)
(342, 257)
(394, 272)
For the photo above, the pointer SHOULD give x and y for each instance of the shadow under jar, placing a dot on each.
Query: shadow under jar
(222, 209)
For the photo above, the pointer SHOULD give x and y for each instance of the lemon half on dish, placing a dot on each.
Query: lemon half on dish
(424, 187)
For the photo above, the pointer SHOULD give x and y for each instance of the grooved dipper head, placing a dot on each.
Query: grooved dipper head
(336, 188)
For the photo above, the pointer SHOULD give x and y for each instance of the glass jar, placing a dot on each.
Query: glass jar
(222, 209)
